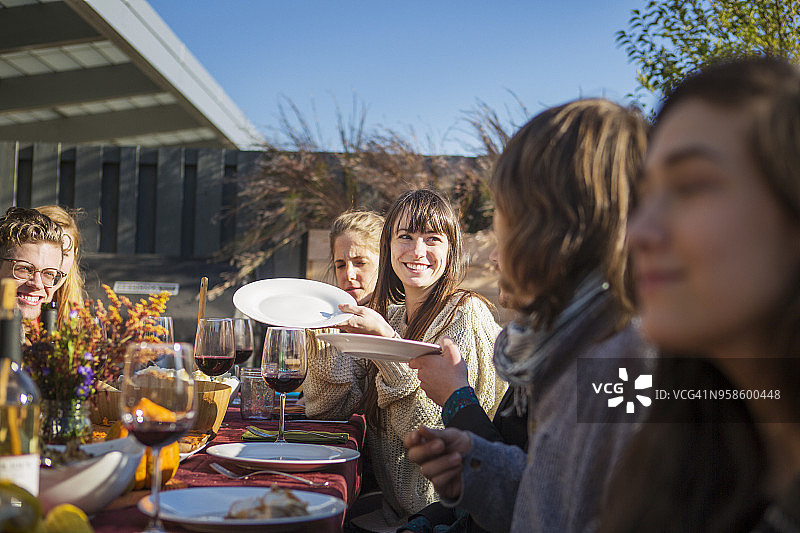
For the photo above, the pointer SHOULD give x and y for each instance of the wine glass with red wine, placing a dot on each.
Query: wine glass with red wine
(242, 340)
(214, 348)
(284, 364)
(157, 404)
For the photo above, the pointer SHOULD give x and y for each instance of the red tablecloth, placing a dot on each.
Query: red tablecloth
(122, 516)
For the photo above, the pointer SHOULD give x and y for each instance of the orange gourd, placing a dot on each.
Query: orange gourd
(170, 459)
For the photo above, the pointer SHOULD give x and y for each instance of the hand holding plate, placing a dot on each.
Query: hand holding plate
(365, 321)
(441, 375)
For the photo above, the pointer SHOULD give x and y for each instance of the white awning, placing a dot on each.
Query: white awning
(108, 72)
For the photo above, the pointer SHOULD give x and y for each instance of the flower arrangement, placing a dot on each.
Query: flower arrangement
(89, 347)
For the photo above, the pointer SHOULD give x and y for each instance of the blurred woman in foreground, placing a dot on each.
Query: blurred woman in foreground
(715, 244)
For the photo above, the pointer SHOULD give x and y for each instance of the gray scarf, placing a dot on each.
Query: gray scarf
(524, 356)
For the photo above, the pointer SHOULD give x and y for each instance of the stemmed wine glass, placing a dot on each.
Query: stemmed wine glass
(166, 323)
(284, 364)
(242, 340)
(157, 404)
(213, 346)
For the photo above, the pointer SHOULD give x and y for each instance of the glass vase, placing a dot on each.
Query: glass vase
(66, 420)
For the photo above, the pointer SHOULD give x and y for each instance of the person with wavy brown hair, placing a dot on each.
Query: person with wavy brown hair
(70, 290)
(562, 190)
(417, 297)
(715, 245)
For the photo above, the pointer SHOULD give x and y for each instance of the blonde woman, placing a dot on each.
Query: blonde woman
(70, 290)
(354, 244)
(354, 240)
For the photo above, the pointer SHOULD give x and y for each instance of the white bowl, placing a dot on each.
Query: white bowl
(93, 483)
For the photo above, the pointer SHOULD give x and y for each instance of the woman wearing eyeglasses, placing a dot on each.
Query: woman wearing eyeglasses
(31, 254)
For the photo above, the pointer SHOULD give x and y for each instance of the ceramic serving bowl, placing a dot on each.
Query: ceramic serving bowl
(93, 483)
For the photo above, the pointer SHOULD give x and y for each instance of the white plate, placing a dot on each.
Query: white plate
(204, 509)
(287, 457)
(375, 347)
(293, 302)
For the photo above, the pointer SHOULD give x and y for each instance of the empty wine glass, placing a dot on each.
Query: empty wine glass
(213, 346)
(169, 332)
(284, 364)
(157, 404)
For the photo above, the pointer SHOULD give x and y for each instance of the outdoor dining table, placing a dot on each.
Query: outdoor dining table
(122, 515)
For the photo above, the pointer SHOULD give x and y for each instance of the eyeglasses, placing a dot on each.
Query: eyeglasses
(26, 271)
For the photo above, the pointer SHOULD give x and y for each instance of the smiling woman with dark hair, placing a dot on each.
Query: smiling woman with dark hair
(417, 297)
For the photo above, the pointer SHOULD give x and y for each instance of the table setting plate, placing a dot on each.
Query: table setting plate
(293, 302)
(204, 509)
(286, 457)
(380, 348)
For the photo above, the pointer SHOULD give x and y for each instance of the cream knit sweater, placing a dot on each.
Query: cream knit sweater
(335, 383)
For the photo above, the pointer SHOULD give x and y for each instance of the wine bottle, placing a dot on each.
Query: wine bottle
(19, 400)
(49, 316)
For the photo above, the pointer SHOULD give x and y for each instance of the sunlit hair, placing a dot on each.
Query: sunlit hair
(366, 224)
(71, 289)
(21, 225)
(564, 186)
(422, 210)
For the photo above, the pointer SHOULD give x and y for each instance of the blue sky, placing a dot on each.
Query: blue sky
(417, 66)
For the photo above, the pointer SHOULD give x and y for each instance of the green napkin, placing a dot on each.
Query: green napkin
(296, 435)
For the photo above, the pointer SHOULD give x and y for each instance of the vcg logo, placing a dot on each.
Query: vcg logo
(644, 381)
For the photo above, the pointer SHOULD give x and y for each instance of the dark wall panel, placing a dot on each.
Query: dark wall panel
(169, 200)
(24, 176)
(8, 175)
(44, 179)
(88, 187)
(208, 202)
(128, 200)
(146, 205)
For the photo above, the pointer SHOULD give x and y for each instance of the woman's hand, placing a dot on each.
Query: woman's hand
(365, 320)
(438, 453)
(441, 375)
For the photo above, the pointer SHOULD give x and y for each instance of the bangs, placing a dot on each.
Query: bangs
(423, 215)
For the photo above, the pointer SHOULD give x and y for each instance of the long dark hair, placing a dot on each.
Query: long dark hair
(704, 474)
(425, 208)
